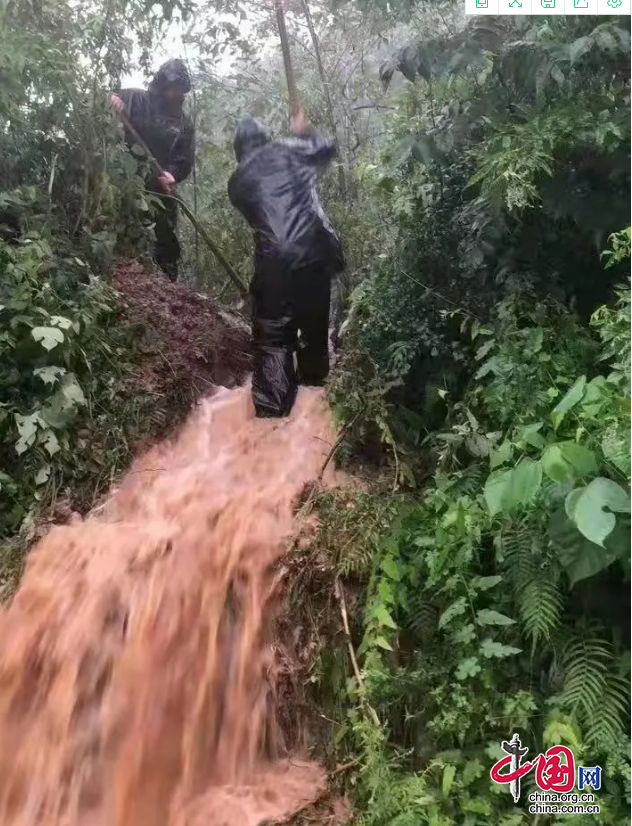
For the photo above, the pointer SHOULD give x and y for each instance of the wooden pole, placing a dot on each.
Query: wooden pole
(158, 170)
(210, 243)
(287, 60)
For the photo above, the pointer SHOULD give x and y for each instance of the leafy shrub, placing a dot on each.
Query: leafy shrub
(495, 600)
(60, 355)
(505, 169)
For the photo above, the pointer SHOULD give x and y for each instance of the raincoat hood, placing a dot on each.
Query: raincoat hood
(172, 73)
(250, 136)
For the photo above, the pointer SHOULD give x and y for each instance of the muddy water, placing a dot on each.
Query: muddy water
(137, 674)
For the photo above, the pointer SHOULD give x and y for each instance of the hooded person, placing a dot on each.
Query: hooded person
(158, 116)
(297, 253)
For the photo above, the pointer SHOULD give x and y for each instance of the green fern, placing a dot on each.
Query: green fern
(422, 617)
(470, 480)
(607, 720)
(355, 561)
(587, 664)
(538, 596)
(517, 546)
(594, 692)
(540, 605)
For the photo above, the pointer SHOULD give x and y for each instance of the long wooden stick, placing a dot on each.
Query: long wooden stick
(287, 59)
(230, 270)
(354, 662)
(152, 160)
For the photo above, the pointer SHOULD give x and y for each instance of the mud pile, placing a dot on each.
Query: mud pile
(189, 343)
(137, 670)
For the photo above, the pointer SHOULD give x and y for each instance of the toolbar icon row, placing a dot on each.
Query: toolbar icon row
(537, 7)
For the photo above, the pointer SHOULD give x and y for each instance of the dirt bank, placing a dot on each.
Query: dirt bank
(189, 344)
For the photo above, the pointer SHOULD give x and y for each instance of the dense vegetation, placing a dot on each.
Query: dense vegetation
(70, 198)
(482, 192)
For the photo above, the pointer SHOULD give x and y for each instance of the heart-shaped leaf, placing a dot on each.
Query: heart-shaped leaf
(593, 510)
(48, 337)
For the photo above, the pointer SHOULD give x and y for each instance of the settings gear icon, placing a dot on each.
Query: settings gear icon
(614, 4)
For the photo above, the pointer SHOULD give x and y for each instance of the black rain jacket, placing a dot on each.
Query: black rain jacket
(167, 130)
(274, 188)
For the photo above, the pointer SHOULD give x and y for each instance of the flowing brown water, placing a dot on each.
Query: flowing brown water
(136, 664)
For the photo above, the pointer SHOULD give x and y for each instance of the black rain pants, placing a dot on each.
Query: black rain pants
(290, 312)
(167, 246)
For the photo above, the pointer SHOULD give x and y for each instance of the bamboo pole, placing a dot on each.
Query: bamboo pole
(287, 59)
(230, 270)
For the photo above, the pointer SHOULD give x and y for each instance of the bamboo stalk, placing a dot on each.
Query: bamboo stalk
(287, 59)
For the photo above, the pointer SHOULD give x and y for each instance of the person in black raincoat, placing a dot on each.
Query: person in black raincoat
(296, 254)
(158, 117)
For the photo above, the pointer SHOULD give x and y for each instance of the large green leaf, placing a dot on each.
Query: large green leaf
(456, 609)
(484, 583)
(50, 442)
(61, 321)
(390, 568)
(572, 397)
(469, 667)
(50, 374)
(578, 48)
(581, 458)
(526, 482)
(570, 503)
(564, 460)
(43, 475)
(72, 391)
(48, 337)
(496, 490)
(554, 464)
(488, 617)
(492, 649)
(27, 428)
(448, 779)
(508, 489)
(382, 642)
(383, 617)
(530, 435)
(580, 557)
(593, 510)
(501, 455)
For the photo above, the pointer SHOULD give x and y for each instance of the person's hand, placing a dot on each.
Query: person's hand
(116, 103)
(166, 181)
(298, 122)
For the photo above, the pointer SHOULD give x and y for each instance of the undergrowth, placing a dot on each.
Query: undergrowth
(497, 599)
(71, 202)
